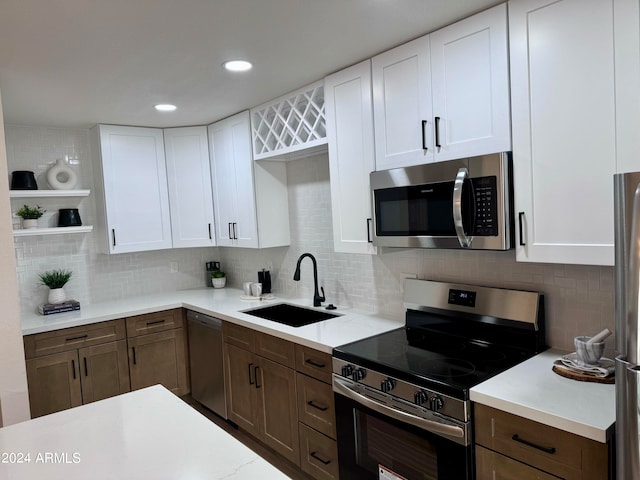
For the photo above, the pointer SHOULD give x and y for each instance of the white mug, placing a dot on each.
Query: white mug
(256, 289)
(246, 286)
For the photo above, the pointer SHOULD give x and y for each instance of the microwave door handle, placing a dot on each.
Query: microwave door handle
(465, 241)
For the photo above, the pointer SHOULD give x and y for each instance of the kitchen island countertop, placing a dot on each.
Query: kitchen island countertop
(532, 390)
(225, 304)
(148, 433)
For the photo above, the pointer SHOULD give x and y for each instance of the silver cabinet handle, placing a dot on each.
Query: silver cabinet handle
(465, 241)
(429, 425)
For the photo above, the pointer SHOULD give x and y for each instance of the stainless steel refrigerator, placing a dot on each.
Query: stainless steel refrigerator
(627, 313)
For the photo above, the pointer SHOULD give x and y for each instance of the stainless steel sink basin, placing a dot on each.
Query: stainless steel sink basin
(291, 315)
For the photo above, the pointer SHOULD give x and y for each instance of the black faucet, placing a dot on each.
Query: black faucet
(317, 298)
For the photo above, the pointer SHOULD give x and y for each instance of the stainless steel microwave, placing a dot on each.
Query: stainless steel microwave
(465, 203)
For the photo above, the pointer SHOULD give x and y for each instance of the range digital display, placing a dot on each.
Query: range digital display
(466, 298)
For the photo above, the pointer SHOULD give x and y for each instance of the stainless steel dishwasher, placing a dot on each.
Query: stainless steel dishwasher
(206, 361)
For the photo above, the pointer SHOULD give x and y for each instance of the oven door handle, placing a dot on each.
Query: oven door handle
(429, 425)
(465, 241)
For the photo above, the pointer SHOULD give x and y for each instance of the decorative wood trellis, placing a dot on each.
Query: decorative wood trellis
(293, 122)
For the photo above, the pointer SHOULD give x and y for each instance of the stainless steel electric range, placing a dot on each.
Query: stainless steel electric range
(402, 397)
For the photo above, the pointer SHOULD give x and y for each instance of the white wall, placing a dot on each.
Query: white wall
(14, 401)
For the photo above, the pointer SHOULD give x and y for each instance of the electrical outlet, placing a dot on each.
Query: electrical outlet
(173, 267)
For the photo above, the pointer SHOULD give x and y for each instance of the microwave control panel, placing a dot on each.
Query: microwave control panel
(486, 217)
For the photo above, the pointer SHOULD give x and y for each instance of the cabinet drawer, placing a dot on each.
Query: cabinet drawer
(493, 466)
(276, 349)
(239, 336)
(154, 322)
(313, 363)
(67, 339)
(550, 449)
(315, 405)
(318, 454)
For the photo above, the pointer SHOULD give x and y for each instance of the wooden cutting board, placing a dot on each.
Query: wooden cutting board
(581, 377)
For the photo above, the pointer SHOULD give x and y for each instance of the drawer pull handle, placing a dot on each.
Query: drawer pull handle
(317, 457)
(315, 364)
(250, 380)
(157, 322)
(322, 409)
(81, 337)
(517, 438)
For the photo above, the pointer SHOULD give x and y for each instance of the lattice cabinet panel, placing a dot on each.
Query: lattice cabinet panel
(291, 123)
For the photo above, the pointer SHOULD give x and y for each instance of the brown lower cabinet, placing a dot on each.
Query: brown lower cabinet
(78, 365)
(261, 393)
(509, 446)
(90, 364)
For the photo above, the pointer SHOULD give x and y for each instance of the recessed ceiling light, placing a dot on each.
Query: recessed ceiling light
(237, 65)
(165, 107)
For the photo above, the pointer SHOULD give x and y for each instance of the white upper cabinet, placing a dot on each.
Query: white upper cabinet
(131, 189)
(250, 199)
(470, 85)
(189, 181)
(402, 108)
(564, 74)
(351, 156)
(444, 95)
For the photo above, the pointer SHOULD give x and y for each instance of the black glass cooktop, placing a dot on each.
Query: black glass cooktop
(430, 359)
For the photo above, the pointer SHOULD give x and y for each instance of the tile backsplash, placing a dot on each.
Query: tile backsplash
(579, 299)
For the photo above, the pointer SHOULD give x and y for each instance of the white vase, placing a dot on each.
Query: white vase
(57, 295)
(29, 223)
(218, 282)
(61, 176)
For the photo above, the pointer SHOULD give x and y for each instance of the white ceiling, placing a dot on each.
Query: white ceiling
(74, 63)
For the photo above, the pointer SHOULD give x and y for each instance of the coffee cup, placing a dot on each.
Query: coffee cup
(246, 286)
(256, 289)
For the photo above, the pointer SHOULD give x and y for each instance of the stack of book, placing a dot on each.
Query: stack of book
(66, 306)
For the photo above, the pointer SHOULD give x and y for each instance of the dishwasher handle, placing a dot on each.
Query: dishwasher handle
(204, 320)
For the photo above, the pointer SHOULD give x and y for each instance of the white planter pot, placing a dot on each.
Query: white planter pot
(218, 282)
(57, 295)
(29, 223)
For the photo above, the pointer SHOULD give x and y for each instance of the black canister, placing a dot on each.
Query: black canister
(69, 217)
(264, 277)
(23, 180)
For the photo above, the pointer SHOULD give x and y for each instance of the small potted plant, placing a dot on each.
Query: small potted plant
(56, 280)
(218, 279)
(30, 215)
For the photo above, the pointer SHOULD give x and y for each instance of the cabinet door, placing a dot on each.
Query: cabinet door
(190, 193)
(402, 108)
(159, 358)
(564, 119)
(232, 175)
(470, 82)
(104, 370)
(240, 373)
(351, 156)
(277, 408)
(54, 383)
(493, 466)
(136, 199)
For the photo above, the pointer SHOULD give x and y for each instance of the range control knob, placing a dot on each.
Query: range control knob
(436, 403)
(347, 370)
(387, 385)
(420, 397)
(358, 374)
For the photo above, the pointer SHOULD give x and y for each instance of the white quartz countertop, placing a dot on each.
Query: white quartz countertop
(145, 434)
(532, 390)
(226, 304)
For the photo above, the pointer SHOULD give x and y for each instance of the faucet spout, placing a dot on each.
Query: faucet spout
(317, 298)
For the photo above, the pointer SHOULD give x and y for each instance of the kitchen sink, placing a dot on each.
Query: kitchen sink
(291, 315)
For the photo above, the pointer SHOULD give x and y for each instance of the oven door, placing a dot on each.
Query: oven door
(373, 445)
